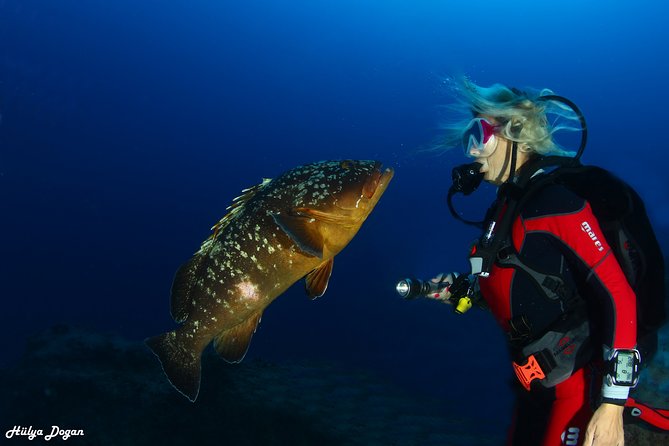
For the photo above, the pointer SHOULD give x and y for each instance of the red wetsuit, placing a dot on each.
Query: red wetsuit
(557, 233)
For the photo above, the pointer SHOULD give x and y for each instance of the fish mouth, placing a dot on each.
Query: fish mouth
(359, 198)
(377, 183)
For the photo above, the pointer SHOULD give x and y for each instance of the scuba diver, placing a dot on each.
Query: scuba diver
(546, 268)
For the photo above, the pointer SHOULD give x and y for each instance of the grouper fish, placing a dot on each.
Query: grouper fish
(273, 235)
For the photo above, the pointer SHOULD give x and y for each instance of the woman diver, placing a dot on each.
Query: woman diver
(548, 277)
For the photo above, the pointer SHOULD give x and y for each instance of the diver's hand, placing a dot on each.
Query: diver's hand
(444, 281)
(606, 427)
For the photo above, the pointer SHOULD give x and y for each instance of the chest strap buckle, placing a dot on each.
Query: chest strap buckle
(528, 372)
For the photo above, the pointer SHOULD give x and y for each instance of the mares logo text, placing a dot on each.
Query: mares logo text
(585, 227)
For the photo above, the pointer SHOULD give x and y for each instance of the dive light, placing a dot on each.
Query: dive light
(411, 288)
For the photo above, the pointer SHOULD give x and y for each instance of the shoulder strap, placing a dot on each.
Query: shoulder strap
(512, 197)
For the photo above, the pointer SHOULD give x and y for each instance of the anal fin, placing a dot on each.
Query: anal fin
(232, 344)
(316, 282)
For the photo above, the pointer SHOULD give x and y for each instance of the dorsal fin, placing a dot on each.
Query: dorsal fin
(233, 209)
(181, 302)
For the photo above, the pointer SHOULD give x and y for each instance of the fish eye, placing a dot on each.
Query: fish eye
(346, 164)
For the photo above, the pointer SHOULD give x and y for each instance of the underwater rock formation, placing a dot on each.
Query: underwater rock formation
(653, 389)
(114, 390)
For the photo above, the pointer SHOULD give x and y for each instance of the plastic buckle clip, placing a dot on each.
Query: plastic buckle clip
(528, 372)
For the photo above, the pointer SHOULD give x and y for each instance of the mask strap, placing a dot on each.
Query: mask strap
(509, 155)
(514, 157)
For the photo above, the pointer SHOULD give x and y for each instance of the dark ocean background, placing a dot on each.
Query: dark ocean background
(127, 127)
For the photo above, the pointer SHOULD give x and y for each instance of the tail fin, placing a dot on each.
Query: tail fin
(181, 364)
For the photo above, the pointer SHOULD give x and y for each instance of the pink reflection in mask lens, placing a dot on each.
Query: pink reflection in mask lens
(477, 133)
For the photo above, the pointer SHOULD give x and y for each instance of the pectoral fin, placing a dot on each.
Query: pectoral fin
(324, 217)
(316, 282)
(303, 231)
(232, 344)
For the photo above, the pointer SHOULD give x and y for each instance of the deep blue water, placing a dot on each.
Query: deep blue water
(127, 127)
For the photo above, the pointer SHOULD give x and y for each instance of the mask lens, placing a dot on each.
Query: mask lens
(476, 135)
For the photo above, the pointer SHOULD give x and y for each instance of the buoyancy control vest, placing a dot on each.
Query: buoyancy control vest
(622, 217)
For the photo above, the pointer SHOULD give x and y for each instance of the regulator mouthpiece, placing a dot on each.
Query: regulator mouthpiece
(466, 178)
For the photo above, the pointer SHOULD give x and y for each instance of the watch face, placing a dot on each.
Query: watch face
(625, 368)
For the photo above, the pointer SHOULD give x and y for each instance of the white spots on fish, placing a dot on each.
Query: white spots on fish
(243, 254)
(248, 291)
(300, 195)
(218, 301)
(270, 249)
(254, 259)
(213, 318)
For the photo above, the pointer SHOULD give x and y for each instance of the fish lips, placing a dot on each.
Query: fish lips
(377, 183)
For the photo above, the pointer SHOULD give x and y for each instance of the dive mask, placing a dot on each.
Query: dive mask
(476, 136)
